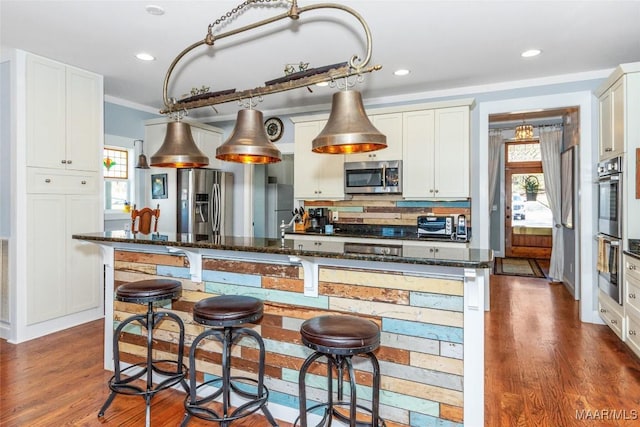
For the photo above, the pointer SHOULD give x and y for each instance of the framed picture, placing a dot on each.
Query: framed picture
(566, 186)
(159, 186)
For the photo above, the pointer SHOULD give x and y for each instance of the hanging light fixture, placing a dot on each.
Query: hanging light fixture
(142, 159)
(523, 132)
(179, 150)
(348, 129)
(249, 143)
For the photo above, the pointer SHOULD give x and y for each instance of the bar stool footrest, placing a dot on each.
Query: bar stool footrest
(339, 415)
(257, 403)
(125, 386)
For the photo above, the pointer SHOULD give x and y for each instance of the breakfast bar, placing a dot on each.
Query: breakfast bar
(429, 305)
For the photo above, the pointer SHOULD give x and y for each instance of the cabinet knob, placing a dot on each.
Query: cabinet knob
(83, 182)
(632, 296)
(48, 180)
(602, 310)
(632, 267)
(63, 162)
(614, 322)
(632, 332)
(68, 162)
(431, 191)
(608, 149)
(436, 191)
(431, 250)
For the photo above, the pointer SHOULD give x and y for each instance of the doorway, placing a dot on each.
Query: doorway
(528, 218)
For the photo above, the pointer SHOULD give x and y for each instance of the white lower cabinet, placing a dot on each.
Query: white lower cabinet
(612, 314)
(63, 275)
(631, 277)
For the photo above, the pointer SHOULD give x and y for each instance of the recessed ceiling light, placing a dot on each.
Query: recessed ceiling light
(322, 84)
(401, 72)
(531, 53)
(145, 57)
(153, 9)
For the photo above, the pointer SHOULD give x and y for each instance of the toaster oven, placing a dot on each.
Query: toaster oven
(430, 225)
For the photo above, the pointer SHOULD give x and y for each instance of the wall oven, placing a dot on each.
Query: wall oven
(610, 197)
(609, 263)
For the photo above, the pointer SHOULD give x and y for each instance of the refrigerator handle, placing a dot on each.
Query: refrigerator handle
(215, 223)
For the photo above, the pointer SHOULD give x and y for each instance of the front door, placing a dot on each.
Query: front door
(528, 219)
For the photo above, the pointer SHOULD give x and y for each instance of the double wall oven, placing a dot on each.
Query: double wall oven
(610, 227)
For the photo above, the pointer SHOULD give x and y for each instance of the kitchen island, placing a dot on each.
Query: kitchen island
(428, 304)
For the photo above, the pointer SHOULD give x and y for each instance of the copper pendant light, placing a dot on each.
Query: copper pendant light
(249, 142)
(179, 150)
(348, 130)
(142, 159)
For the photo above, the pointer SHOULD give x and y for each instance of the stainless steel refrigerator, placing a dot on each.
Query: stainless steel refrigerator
(278, 207)
(205, 203)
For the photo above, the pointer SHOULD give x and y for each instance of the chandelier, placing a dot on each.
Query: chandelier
(523, 132)
(248, 142)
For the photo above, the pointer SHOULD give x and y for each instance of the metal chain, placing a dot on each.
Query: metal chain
(236, 10)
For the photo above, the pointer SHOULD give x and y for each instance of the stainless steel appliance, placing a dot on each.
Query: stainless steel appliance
(609, 263)
(368, 249)
(318, 218)
(430, 225)
(373, 177)
(610, 197)
(609, 266)
(278, 206)
(205, 204)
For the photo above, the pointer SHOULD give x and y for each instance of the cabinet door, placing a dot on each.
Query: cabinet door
(83, 266)
(391, 126)
(618, 119)
(83, 120)
(208, 141)
(46, 239)
(606, 129)
(46, 113)
(316, 176)
(451, 159)
(417, 145)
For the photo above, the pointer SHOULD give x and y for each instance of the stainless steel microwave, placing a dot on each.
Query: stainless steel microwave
(384, 177)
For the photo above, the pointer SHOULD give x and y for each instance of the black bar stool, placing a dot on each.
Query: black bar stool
(339, 338)
(224, 313)
(174, 371)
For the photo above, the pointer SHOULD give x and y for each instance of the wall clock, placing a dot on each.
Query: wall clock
(273, 127)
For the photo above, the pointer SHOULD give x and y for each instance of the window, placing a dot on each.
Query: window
(117, 185)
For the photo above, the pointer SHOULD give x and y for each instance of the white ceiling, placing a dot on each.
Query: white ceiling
(445, 44)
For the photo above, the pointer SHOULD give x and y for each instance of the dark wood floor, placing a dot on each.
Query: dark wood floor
(542, 365)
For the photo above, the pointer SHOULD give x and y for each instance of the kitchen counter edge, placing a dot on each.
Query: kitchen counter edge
(457, 257)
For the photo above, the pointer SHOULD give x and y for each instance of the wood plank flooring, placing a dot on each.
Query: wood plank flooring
(542, 365)
(58, 380)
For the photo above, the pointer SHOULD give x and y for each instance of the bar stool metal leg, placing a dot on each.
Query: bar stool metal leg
(120, 385)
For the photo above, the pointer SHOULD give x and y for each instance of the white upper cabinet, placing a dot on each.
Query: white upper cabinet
(436, 153)
(316, 176)
(391, 126)
(612, 121)
(64, 109)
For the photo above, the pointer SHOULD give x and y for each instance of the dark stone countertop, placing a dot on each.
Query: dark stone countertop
(405, 253)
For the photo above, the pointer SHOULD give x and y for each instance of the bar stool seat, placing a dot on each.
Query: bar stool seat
(224, 313)
(174, 371)
(338, 338)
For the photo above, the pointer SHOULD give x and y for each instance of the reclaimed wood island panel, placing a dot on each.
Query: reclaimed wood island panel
(429, 309)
